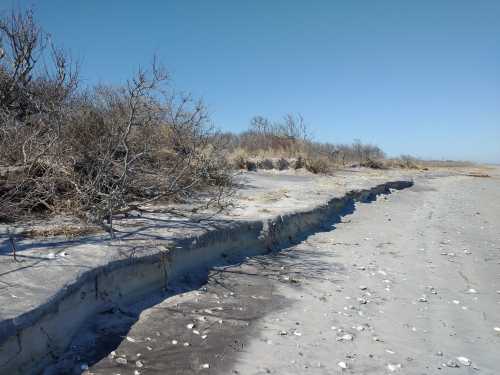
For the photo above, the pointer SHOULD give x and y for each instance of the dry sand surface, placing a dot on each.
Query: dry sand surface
(407, 284)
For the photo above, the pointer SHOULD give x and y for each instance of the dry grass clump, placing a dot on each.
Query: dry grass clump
(282, 164)
(318, 165)
(265, 164)
(238, 158)
(374, 164)
(408, 162)
(68, 231)
(403, 162)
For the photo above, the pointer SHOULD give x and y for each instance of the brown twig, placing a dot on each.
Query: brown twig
(13, 246)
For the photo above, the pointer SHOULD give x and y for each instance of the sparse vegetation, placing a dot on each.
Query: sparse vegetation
(287, 144)
(94, 152)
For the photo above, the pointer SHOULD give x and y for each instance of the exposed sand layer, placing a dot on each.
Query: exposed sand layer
(407, 284)
(58, 284)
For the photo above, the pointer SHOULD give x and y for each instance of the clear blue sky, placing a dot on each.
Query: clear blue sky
(419, 77)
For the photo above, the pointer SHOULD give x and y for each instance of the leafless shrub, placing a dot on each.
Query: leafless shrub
(102, 151)
(37, 81)
(299, 163)
(408, 161)
(32, 90)
(287, 136)
(357, 153)
(283, 164)
(265, 164)
(374, 164)
(290, 139)
(318, 165)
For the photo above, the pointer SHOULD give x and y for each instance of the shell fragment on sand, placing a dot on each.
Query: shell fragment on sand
(464, 361)
(394, 367)
(342, 365)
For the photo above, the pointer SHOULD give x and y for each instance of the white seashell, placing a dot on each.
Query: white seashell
(342, 365)
(464, 361)
(346, 337)
(393, 368)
